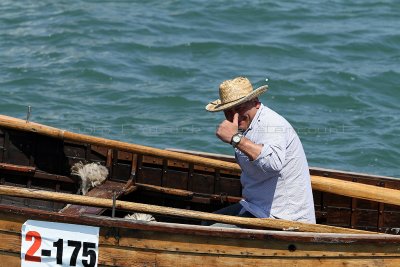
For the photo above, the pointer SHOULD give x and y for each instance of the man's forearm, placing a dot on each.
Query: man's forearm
(249, 148)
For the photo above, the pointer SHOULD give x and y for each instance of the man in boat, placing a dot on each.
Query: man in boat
(275, 176)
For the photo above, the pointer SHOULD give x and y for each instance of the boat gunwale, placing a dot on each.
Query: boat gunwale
(355, 174)
(185, 229)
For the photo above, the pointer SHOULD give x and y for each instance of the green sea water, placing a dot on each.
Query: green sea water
(142, 71)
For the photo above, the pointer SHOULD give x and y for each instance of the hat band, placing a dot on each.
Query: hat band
(224, 103)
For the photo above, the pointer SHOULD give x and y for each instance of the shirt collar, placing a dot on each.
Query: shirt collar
(255, 119)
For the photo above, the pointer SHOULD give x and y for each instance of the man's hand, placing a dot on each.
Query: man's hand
(227, 129)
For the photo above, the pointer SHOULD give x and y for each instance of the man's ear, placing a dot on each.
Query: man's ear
(257, 103)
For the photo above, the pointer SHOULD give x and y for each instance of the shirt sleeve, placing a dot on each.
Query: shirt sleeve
(272, 156)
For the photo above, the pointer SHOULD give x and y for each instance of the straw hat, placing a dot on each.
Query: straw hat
(234, 92)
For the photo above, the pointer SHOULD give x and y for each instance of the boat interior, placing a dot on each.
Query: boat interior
(32, 160)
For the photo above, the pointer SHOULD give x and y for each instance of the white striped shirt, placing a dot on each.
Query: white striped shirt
(277, 183)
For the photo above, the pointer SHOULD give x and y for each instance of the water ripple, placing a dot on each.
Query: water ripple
(143, 71)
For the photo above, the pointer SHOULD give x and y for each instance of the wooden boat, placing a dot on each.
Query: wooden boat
(180, 189)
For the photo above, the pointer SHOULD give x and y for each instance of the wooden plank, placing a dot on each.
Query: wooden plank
(175, 179)
(178, 164)
(164, 172)
(10, 259)
(16, 168)
(10, 241)
(98, 154)
(11, 223)
(202, 183)
(75, 150)
(224, 157)
(149, 175)
(186, 193)
(124, 156)
(121, 171)
(105, 190)
(154, 160)
(19, 148)
(177, 195)
(165, 190)
(255, 248)
(2, 139)
(230, 186)
(28, 172)
(134, 166)
(54, 177)
(49, 154)
(133, 252)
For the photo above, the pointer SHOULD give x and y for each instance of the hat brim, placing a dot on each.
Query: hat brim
(216, 105)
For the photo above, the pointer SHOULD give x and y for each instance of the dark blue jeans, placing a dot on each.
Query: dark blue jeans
(232, 210)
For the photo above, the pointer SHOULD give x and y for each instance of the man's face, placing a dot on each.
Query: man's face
(246, 112)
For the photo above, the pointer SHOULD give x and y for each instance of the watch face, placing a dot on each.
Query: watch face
(236, 139)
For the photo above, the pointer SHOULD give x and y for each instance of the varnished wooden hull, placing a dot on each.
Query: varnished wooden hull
(126, 243)
(32, 160)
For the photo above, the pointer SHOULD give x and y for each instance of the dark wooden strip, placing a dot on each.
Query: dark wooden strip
(109, 158)
(139, 171)
(134, 166)
(54, 177)
(17, 168)
(164, 172)
(88, 152)
(222, 198)
(6, 146)
(381, 208)
(217, 182)
(190, 177)
(33, 150)
(29, 171)
(229, 158)
(353, 216)
(165, 190)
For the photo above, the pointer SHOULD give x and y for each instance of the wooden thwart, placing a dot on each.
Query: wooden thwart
(105, 190)
(152, 209)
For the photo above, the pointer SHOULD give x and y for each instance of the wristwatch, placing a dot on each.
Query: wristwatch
(236, 139)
